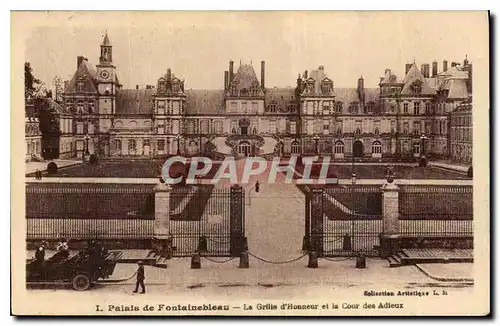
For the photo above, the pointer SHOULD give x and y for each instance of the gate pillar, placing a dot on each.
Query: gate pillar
(317, 220)
(236, 221)
(162, 242)
(389, 239)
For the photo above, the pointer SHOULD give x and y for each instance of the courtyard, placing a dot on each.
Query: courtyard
(151, 168)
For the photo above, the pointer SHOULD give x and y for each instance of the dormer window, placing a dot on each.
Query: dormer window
(80, 85)
(162, 86)
(416, 87)
(326, 87)
(353, 107)
(369, 107)
(244, 92)
(272, 107)
(310, 87)
(234, 92)
(338, 107)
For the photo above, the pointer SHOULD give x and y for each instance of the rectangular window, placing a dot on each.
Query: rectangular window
(416, 128)
(326, 126)
(254, 107)
(79, 128)
(405, 108)
(326, 107)
(427, 108)
(406, 128)
(416, 108)
(244, 107)
(161, 144)
(293, 127)
(272, 127)
(310, 127)
(393, 126)
(90, 128)
(132, 144)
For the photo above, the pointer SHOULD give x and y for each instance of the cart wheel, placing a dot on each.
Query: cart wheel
(81, 282)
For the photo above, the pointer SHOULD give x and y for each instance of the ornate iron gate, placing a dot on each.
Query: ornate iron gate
(207, 220)
(343, 221)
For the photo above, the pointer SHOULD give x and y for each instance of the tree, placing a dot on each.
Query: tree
(31, 83)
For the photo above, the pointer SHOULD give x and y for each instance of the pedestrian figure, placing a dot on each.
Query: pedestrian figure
(40, 258)
(140, 278)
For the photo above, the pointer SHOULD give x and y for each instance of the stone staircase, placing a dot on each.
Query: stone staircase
(269, 146)
(221, 146)
(431, 255)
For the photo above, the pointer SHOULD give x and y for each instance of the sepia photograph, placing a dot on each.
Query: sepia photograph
(257, 163)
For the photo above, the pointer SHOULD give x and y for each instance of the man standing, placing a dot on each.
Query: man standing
(140, 278)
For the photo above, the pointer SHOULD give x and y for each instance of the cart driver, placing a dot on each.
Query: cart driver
(40, 252)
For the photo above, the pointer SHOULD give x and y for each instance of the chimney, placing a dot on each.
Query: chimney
(422, 70)
(305, 74)
(388, 72)
(231, 70)
(226, 79)
(361, 89)
(86, 59)
(407, 67)
(469, 84)
(466, 62)
(263, 74)
(445, 65)
(169, 76)
(434, 68)
(322, 68)
(79, 60)
(425, 70)
(136, 86)
(453, 64)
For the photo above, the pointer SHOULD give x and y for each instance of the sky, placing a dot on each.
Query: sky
(198, 45)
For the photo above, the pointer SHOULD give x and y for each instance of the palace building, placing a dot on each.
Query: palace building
(406, 116)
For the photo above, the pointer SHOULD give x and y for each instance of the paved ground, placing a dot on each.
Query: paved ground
(453, 272)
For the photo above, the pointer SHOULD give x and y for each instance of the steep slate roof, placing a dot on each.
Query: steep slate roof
(88, 72)
(245, 77)
(413, 75)
(106, 41)
(134, 101)
(283, 97)
(457, 88)
(318, 75)
(348, 95)
(61, 109)
(209, 102)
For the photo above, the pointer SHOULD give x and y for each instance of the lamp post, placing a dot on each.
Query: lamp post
(316, 138)
(178, 138)
(87, 138)
(422, 143)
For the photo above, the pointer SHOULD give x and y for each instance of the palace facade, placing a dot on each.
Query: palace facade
(405, 116)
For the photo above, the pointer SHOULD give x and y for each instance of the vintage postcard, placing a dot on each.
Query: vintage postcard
(250, 163)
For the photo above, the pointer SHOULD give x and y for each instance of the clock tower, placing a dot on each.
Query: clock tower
(106, 78)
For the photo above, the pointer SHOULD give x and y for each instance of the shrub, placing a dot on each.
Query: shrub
(93, 159)
(469, 172)
(52, 168)
(422, 162)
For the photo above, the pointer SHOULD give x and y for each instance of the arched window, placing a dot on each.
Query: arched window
(358, 131)
(339, 147)
(376, 147)
(295, 147)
